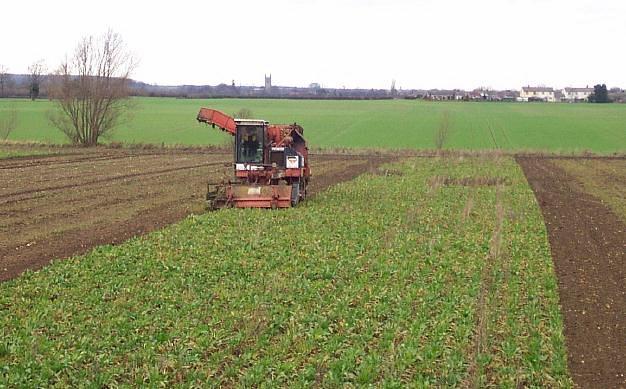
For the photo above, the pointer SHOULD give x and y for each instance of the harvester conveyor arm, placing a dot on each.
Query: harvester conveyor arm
(217, 118)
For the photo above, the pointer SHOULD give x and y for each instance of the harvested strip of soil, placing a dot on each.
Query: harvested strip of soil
(588, 244)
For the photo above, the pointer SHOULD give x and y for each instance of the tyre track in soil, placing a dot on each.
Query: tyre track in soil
(65, 159)
(80, 203)
(480, 338)
(90, 197)
(102, 181)
(41, 177)
(588, 245)
(108, 154)
(66, 162)
(51, 165)
(59, 221)
(95, 166)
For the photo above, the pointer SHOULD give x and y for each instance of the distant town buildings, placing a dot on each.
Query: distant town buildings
(317, 91)
(531, 93)
(527, 93)
(18, 86)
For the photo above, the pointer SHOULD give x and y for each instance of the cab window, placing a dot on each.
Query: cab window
(250, 144)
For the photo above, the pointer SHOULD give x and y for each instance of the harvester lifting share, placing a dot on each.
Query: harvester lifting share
(271, 168)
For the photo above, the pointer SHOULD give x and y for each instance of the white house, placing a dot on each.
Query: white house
(439, 94)
(531, 93)
(577, 94)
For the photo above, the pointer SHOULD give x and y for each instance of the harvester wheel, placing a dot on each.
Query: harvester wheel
(215, 197)
(295, 193)
(303, 188)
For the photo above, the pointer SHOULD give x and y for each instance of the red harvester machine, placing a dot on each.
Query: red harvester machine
(271, 164)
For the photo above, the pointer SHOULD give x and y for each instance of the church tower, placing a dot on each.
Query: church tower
(268, 83)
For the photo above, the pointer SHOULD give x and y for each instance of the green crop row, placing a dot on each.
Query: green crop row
(416, 278)
(21, 153)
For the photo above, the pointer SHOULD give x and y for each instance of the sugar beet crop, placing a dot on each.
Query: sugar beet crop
(425, 272)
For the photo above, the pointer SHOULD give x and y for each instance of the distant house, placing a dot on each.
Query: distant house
(577, 94)
(494, 95)
(532, 93)
(482, 94)
(508, 95)
(476, 94)
(439, 94)
(460, 94)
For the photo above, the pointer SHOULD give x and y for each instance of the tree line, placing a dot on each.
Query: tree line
(600, 94)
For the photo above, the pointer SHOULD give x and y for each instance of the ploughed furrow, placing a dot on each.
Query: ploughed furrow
(45, 176)
(132, 193)
(98, 155)
(10, 196)
(42, 176)
(35, 162)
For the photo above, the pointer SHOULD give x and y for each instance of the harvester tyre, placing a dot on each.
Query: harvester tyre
(295, 193)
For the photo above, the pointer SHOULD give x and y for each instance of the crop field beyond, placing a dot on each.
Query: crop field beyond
(400, 124)
(426, 272)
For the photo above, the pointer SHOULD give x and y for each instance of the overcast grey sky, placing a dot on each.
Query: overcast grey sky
(351, 43)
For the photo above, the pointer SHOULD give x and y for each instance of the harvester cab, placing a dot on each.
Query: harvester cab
(249, 139)
(270, 164)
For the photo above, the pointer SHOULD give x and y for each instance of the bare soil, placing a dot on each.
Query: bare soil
(588, 243)
(604, 179)
(57, 206)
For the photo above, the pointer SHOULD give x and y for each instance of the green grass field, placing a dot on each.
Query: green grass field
(375, 124)
(11, 154)
(12, 150)
(389, 281)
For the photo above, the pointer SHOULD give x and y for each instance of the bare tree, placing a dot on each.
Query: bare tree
(8, 123)
(443, 131)
(4, 80)
(36, 73)
(91, 90)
